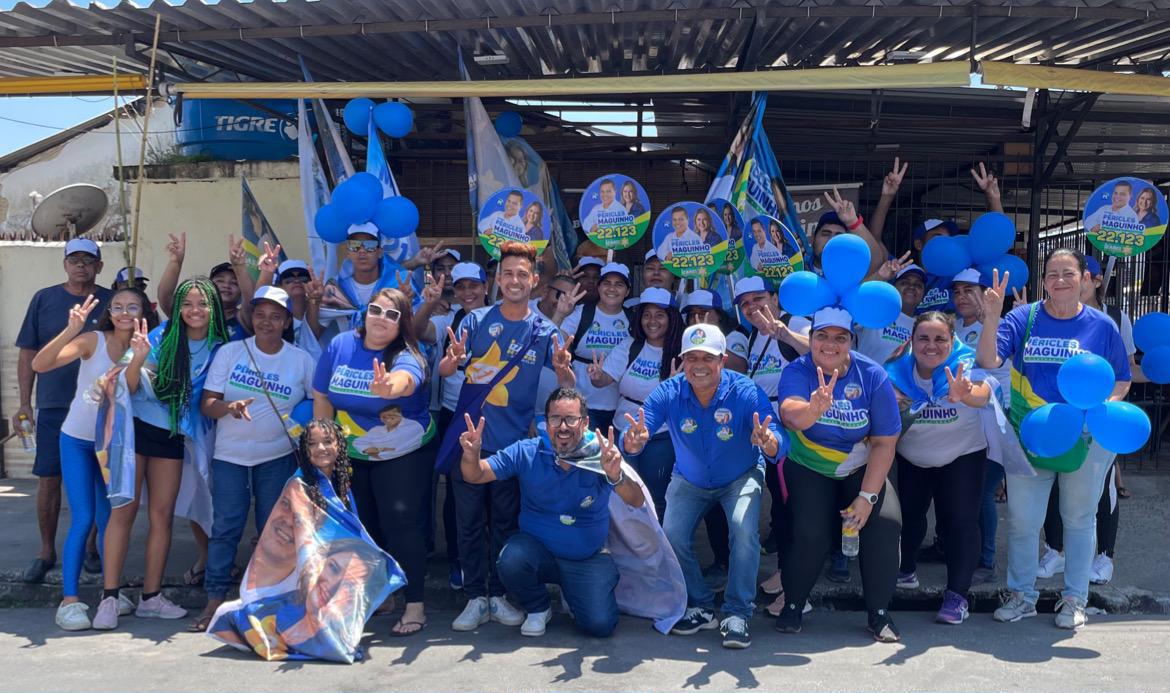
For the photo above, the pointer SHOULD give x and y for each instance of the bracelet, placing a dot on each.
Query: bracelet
(621, 478)
(857, 224)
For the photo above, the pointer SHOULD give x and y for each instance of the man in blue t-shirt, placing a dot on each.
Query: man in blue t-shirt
(47, 314)
(564, 514)
(484, 345)
(723, 428)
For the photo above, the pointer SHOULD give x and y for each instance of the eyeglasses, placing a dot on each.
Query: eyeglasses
(376, 311)
(81, 260)
(363, 246)
(301, 278)
(570, 421)
(132, 309)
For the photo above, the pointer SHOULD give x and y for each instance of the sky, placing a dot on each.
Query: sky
(24, 120)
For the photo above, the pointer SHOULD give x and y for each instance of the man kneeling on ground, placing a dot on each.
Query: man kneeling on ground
(564, 514)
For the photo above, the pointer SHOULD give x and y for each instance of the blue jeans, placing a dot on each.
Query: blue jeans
(1080, 492)
(686, 504)
(233, 488)
(989, 514)
(655, 465)
(88, 505)
(525, 566)
(600, 418)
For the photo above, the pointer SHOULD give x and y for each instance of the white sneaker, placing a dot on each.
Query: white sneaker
(125, 604)
(159, 606)
(1070, 613)
(474, 615)
(74, 616)
(535, 623)
(1051, 563)
(503, 612)
(1102, 570)
(106, 617)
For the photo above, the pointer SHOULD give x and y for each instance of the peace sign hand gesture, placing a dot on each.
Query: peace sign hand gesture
(456, 348)
(893, 179)
(314, 288)
(986, 181)
(993, 297)
(891, 268)
(239, 408)
(426, 256)
(596, 368)
(269, 259)
(1019, 298)
(236, 253)
(636, 435)
(844, 208)
(471, 440)
(959, 384)
(567, 300)
(762, 436)
(821, 399)
(433, 291)
(770, 325)
(177, 247)
(563, 361)
(381, 386)
(675, 366)
(79, 313)
(139, 341)
(611, 459)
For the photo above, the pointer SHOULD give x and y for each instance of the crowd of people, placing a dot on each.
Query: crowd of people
(537, 400)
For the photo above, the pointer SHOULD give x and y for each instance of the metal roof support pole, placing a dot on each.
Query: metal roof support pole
(974, 37)
(1035, 213)
(1066, 139)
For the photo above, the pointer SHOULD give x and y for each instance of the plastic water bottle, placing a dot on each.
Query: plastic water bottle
(850, 540)
(28, 437)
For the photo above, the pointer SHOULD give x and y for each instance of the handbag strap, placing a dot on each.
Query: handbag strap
(279, 418)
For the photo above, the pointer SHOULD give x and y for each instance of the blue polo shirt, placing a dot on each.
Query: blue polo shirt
(568, 511)
(712, 444)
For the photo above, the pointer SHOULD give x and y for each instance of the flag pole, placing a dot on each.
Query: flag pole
(142, 152)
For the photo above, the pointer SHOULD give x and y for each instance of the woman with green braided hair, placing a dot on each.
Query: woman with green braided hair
(167, 424)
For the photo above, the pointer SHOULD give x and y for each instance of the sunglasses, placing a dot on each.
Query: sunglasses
(301, 277)
(363, 246)
(81, 260)
(376, 311)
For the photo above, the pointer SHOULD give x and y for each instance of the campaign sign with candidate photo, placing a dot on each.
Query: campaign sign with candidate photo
(512, 214)
(614, 211)
(690, 240)
(1126, 217)
(733, 224)
(771, 248)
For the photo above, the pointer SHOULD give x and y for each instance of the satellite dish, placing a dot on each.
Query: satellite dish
(70, 211)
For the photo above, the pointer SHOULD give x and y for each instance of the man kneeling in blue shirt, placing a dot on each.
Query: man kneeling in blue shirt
(717, 419)
(564, 514)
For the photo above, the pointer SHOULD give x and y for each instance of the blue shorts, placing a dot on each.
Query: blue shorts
(48, 460)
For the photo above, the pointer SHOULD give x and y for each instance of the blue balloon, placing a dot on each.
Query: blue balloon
(394, 118)
(1016, 269)
(1151, 331)
(508, 124)
(357, 197)
(329, 224)
(1156, 365)
(1052, 430)
(396, 217)
(873, 305)
(946, 256)
(1119, 427)
(992, 235)
(357, 116)
(804, 293)
(845, 260)
(1085, 380)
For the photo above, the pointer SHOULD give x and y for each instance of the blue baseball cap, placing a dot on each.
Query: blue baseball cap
(83, 245)
(1094, 266)
(468, 270)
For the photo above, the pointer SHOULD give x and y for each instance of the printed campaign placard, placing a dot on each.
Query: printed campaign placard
(772, 250)
(1126, 217)
(614, 211)
(512, 214)
(690, 240)
(733, 223)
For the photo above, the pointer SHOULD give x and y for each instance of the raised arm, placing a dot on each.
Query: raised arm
(989, 184)
(432, 296)
(474, 468)
(987, 351)
(856, 225)
(176, 250)
(68, 346)
(890, 185)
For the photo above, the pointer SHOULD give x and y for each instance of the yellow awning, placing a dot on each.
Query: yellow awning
(1044, 77)
(71, 84)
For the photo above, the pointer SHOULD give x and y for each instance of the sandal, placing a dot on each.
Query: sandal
(1123, 492)
(422, 625)
(193, 577)
(1001, 494)
(200, 624)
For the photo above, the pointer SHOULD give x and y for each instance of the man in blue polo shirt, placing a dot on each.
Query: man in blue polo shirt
(722, 427)
(564, 514)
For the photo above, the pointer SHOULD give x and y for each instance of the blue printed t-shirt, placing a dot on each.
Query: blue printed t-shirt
(568, 511)
(864, 405)
(938, 295)
(378, 429)
(1052, 342)
(492, 341)
(47, 316)
(712, 444)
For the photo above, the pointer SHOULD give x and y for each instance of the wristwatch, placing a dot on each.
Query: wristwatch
(871, 497)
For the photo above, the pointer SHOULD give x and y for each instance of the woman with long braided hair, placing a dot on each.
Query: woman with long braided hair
(166, 409)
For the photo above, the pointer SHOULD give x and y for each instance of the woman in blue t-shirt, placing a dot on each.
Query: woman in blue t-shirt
(1038, 338)
(371, 380)
(842, 416)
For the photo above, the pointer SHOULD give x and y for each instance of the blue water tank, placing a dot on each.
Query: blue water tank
(232, 130)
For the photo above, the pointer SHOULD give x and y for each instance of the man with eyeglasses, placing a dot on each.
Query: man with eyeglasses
(45, 318)
(723, 429)
(565, 483)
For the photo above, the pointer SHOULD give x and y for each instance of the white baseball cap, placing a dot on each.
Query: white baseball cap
(706, 338)
(616, 268)
(83, 245)
(656, 297)
(289, 266)
(468, 270)
(123, 275)
(910, 269)
(749, 285)
(651, 253)
(367, 228)
(832, 317)
(589, 260)
(968, 276)
(702, 298)
(271, 293)
(449, 251)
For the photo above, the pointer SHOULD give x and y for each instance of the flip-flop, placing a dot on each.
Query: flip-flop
(199, 625)
(422, 625)
(35, 572)
(193, 577)
(1123, 492)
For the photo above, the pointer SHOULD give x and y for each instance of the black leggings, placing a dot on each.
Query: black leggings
(815, 501)
(957, 492)
(391, 498)
(1108, 514)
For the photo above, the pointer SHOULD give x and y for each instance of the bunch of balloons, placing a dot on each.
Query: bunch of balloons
(845, 259)
(1085, 381)
(1151, 334)
(392, 117)
(985, 248)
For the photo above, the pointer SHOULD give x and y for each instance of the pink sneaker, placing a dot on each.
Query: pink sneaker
(159, 606)
(107, 614)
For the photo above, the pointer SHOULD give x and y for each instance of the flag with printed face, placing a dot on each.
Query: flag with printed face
(314, 195)
(256, 230)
